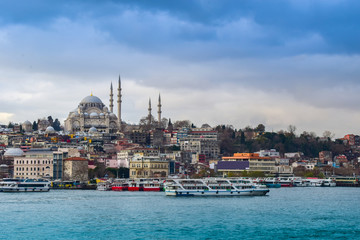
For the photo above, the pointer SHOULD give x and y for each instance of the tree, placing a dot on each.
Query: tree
(35, 126)
(56, 125)
(164, 123)
(10, 125)
(146, 125)
(182, 124)
(292, 129)
(51, 121)
(170, 125)
(205, 125)
(260, 128)
(328, 134)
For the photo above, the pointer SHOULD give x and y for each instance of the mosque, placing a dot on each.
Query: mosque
(92, 115)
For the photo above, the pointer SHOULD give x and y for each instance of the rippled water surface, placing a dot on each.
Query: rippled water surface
(296, 213)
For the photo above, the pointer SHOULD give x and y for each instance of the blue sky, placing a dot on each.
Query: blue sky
(217, 62)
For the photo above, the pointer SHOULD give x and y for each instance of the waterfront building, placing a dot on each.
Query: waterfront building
(269, 153)
(148, 167)
(7, 161)
(203, 141)
(76, 169)
(34, 164)
(124, 156)
(58, 162)
(246, 161)
(209, 148)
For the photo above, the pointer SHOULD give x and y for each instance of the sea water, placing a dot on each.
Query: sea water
(286, 213)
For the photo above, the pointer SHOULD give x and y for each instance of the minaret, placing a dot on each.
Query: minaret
(111, 99)
(119, 103)
(149, 109)
(159, 111)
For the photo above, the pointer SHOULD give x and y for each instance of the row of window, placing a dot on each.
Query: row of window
(31, 169)
(133, 173)
(34, 162)
(23, 174)
(151, 165)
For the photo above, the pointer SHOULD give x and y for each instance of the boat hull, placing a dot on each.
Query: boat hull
(150, 189)
(24, 189)
(121, 188)
(135, 189)
(273, 185)
(255, 192)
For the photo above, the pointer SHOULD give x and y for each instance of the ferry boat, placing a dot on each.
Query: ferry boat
(103, 186)
(213, 187)
(285, 182)
(120, 185)
(24, 185)
(328, 182)
(143, 184)
(272, 183)
(314, 182)
(153, 185)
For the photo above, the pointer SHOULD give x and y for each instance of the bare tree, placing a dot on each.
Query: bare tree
(182, 123)
(328, 134)
(292, 129)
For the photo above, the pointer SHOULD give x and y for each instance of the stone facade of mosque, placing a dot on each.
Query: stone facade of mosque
(92, 115)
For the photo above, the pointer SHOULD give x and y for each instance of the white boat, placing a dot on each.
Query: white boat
(314, 182)
(213, 187)
(328, 182)
(300, 182)
(103, 186)
(24, 185)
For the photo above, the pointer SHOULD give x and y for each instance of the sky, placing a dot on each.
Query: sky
(239, 63)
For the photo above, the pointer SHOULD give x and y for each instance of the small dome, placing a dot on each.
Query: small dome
(101, 114)
(13, 152)
(27, 123)
(94, 115)
(86, 114)
(50, 129)
(91, 99)
(92, 130)
(112, 115)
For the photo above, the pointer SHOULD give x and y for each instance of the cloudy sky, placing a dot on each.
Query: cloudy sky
(242, 63)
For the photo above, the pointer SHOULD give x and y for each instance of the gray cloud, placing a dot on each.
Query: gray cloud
(240, 67)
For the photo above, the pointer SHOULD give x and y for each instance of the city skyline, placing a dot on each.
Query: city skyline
(220, 62)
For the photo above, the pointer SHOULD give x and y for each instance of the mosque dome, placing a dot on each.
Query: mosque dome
(27, 123)
(50, 129)
(86, 114)
(94, 115)
(13, 152)
(112, 115)
(92, 130)
(91, 99)
(101, 114)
